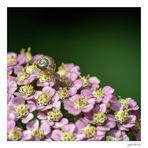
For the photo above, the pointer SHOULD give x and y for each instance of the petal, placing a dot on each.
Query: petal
(69, 128)
(115, 104)
(27, 118)
(88, 108)
(26, 135)
(108, 90)
(42, 116)
(32, 106)
(79, 126)
(115, 133)
(80, 137)
(103, 108)
(33, 124)
(49, 90)
(12, 115)
(75, 97)
(18, 100)
(94, 80)
(72, 76)
(18, 69)
(78, 84)
(45, 127)
(10, 125)
(131, 119)
(86, 92)
(74, 111)
(110, 124)
(107, 98)
(57, 104)
(56, 135)
(91, 100)
(72, 90)
(63, 122)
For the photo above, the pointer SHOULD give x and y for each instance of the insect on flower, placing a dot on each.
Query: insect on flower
(47, 64)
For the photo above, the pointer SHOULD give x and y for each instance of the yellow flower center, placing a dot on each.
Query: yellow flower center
(21, 110)
(30, 68)
(80, 103)
(11, 59)
(37, 133)
(89, 131)
(67, 136)
(99, 118)
(22, 76)
(124, 102)
(62, 70)
(27, 90)
(98, 93)
(44, 77)
(63, 93)
(14, 135)
(110, 138)
(122, 116)
(43, 99)
(85, 80)
(54, 115)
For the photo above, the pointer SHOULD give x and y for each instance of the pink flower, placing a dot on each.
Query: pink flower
(14, 133)
(99, 117)
(35, 131)
(103, 95)
(78, 103)
(116, 135)
(86, 131)
(65, 134)
(20, 110)
(69, 70)
(46, 99)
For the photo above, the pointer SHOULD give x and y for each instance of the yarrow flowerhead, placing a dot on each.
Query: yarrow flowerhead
(46, 103)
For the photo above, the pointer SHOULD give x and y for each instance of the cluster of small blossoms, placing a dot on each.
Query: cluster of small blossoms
(41, 110)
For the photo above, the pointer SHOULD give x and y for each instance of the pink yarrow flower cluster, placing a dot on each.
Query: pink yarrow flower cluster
(39, 109)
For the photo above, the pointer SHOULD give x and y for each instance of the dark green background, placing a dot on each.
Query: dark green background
(104, 42)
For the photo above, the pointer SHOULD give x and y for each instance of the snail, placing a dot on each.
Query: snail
(48, 65)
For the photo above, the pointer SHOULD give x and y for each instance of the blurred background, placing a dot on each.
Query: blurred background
(104, 42)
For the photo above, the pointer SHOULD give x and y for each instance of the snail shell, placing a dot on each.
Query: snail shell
(47, 64)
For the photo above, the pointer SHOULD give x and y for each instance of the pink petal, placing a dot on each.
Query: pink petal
(94, 80)
(63, 122)
(56, 135)
(27, 135)
(10, 125)
(49, 90)
(33, 124)
(88, 108)
(27, 118)
(107, 98)
(72, 90)
(69, 128)
(57, 105)
(42, 116)
(108, 90)
(45, 128)
(103, 108)
(78, 84)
